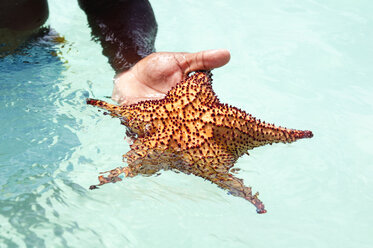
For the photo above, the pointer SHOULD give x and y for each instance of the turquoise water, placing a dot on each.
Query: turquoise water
(300, 64)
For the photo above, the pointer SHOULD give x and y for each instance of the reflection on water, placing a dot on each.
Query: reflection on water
(34, 139)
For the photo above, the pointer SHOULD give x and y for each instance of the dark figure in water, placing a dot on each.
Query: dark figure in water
(125, 28)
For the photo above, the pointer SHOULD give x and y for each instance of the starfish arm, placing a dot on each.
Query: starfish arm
(236, 187)
(114, 110)
(196, 89)
(240, 132)
(134, 117)
(273, 134)
(113, 176)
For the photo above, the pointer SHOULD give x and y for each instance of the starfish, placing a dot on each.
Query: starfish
(192, 132)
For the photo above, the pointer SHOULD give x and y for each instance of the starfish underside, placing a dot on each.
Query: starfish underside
(192, 132)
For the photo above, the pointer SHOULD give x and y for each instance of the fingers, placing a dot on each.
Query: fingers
(204, 60)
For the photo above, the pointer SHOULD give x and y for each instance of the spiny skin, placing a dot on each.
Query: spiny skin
(192, 132)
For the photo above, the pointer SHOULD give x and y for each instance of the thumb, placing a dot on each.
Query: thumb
(206, 60)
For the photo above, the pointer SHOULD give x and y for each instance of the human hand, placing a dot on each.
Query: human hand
(153, 76)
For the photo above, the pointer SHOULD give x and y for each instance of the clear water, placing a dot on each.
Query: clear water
(300, 64)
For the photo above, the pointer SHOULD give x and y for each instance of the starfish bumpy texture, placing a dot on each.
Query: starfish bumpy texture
(192, 132)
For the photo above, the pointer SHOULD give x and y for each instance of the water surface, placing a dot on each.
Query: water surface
(304, 65)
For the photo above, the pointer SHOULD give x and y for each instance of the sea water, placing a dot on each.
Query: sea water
(300, 64)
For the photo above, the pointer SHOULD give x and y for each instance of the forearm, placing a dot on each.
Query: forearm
(126, 29)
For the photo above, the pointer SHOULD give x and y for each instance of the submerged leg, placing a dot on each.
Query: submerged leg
(113, 176)
(237, 188)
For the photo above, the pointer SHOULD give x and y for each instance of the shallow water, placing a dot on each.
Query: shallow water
(304, 65)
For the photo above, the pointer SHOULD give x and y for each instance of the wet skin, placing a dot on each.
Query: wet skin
(126, 29)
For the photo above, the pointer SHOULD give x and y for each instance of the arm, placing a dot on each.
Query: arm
(153, 76)
(126, 29)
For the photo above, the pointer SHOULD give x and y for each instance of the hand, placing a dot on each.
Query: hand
(153, 76)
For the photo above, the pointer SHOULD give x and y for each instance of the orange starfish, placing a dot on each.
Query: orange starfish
(192, 132)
